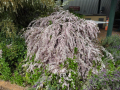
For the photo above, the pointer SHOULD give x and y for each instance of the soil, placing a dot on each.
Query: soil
(6, 85)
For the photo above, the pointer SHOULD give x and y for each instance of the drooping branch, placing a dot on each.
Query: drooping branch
(54, 38)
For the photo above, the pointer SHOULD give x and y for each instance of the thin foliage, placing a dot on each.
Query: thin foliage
(12, 5)
(7, 28)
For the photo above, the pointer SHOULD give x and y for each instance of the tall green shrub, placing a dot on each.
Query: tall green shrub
(12, 55)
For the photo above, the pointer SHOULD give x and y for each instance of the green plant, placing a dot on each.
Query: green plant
(112, 44)
(23, 78)
(95, 81)
(4, 70)
(15, 15)
(111, 41)
(7, 29)
(76, 14)
(53, 82)
(50, 22)
(12, 55)
(12, 6)
(30, 78)
(106, 79)
(75, 50)
(90, 73)
(18, 79)
(28, 12)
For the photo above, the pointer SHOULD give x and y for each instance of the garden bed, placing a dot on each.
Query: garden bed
(67, 45)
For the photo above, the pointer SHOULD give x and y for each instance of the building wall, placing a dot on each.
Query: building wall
(106, 4)
(90, 6)
(96, 18)
(117, 5)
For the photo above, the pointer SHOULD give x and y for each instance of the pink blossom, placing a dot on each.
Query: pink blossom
(53, 43)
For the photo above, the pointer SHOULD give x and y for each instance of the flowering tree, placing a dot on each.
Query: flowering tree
(52, 39)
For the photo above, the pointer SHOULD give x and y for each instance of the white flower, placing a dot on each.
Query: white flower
(1, 53)
(63, 70)
(68, 79)
(55, 71)
(59, 80)
(64, 84)
(69, 75)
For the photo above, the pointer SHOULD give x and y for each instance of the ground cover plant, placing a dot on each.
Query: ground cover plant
(109, 78)
(112, 44)
(106, 80)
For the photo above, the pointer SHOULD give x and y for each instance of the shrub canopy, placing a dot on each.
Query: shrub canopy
(52, 39)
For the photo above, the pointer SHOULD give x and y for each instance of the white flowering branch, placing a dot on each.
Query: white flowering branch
(54, 38)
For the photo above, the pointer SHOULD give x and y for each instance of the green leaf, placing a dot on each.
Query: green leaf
(75, 50)
(50, 22)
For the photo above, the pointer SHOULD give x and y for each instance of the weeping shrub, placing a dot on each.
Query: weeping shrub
(54, 38)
